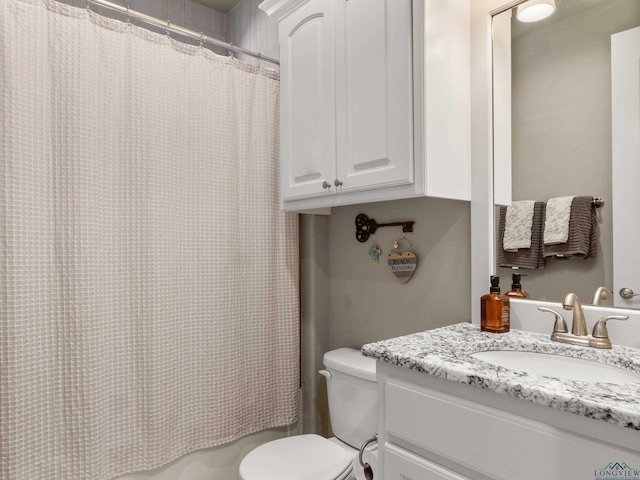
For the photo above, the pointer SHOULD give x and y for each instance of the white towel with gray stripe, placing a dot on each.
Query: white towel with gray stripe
(517, 229)
(556, 222)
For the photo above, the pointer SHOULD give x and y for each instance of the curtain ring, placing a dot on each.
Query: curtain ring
(128, 16)
(166, 29)
(231, 50)
(201, 39)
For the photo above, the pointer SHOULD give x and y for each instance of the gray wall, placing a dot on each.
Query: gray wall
(348, 301)
(562, 132)
(367, 303)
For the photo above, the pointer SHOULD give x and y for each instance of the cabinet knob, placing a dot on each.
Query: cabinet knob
(337, 183)
(326, 185)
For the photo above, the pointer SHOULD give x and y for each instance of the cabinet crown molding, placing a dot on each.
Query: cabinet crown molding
(279, 9)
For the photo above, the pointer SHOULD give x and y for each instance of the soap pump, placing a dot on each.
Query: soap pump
(494, 309)
(516, 288)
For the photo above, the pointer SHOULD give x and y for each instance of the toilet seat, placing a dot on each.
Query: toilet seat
(301, 457)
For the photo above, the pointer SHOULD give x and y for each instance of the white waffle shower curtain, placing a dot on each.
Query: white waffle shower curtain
(148, 280)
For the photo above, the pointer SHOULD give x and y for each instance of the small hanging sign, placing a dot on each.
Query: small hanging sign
(403, 262)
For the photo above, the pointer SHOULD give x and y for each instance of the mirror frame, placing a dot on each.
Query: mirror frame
(483, 263)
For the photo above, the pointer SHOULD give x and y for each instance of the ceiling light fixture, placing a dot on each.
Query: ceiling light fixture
(535, 10)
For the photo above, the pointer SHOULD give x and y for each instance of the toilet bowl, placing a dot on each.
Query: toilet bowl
(352, 395)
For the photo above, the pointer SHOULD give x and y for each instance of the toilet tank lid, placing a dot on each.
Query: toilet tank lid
(351, 362)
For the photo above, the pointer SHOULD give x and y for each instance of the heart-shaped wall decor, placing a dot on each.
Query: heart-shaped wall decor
(403, 265)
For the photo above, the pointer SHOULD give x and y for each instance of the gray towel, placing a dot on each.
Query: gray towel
(524, 257)
(582, 242)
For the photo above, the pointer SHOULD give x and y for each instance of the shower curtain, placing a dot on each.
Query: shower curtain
(148, 280)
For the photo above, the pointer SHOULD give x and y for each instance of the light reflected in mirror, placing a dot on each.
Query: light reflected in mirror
(560, 114)
(535, 10)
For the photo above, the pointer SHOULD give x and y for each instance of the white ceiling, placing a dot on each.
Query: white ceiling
(221, 5)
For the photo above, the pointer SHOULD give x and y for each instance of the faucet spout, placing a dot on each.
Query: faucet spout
(601, 294)
(579, 326)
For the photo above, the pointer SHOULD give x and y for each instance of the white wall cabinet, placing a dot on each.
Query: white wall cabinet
(308, 103)
(374, 114)
(432, 428)
(374, 100)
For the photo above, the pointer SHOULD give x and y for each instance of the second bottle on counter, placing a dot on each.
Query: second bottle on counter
(516, 287)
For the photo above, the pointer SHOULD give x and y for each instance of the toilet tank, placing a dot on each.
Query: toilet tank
(353, 395)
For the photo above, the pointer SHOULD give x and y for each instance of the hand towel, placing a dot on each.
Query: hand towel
(582, 241)
(556, 223)
(525, 257)
(518, 223)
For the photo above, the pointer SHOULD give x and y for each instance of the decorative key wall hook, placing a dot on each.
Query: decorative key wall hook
(366, 226)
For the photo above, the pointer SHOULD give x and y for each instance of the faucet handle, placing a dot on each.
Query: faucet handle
(560, 326)
(600, 328)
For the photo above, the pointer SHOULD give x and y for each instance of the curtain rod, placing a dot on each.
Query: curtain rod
(181, 30)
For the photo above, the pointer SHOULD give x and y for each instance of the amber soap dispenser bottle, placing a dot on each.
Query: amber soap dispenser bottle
(494, 309)
(516, 288)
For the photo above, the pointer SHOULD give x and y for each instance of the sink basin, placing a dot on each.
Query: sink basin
(558, 366)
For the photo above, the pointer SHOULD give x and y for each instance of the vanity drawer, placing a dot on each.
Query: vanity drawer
(400, 464)
(489, 441)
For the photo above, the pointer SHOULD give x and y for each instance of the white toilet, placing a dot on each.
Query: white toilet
(353, 403)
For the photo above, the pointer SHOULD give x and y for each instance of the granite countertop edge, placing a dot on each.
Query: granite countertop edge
(446, 353)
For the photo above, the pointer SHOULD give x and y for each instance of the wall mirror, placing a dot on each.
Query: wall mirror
(552, 84)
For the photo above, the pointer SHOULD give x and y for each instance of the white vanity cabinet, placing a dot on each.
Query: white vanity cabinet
(432, 428)
(374, 100)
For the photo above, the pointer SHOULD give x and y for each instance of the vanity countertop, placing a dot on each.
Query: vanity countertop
(446, 353)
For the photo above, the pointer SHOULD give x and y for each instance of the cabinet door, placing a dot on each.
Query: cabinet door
(494, 443)
(307, 105)
(374, 92)
(400, 464)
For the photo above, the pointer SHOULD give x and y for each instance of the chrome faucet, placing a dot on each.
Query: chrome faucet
(579, 335)
(579, 326)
